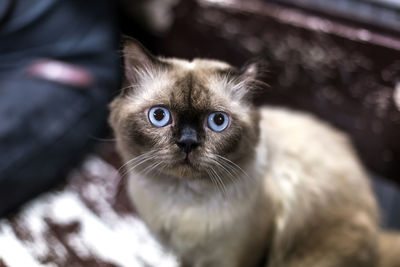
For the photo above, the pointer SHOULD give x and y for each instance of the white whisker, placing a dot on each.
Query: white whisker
(150, 168)
(225, 169)
(219, 181)
(233, 164)
(214, 180)
(136, 158)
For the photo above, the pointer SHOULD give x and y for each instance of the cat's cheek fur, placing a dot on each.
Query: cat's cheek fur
(133, 131)
(243, 141)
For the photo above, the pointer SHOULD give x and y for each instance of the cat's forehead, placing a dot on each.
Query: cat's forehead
(201, 83)
(197, 84)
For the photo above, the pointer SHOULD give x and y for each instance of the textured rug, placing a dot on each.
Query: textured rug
(86, 222)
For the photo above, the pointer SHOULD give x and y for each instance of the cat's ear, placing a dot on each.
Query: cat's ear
(249, 79)
(250, 71)
(137, 59)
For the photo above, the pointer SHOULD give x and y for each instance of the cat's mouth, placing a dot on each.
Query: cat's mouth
(188, 161)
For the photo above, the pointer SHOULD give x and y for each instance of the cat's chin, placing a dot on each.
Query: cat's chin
(185, 170)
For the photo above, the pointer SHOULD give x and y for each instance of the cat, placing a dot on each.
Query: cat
(222, 183)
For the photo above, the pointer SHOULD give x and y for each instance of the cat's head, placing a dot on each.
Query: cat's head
(183, 118)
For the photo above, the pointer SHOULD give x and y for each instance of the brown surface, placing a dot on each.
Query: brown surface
(2, 264)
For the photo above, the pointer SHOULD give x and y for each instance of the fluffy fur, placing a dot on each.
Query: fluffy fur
(276, 188)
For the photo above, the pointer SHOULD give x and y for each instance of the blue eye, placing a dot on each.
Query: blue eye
(159, 116)
(218, 121)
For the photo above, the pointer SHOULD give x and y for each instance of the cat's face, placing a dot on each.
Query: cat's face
(181, 118)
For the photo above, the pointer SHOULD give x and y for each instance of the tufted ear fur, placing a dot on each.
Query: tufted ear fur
(249, 79)
(250, 70)
(138, 59)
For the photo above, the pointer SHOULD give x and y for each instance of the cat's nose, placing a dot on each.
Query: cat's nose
(187, 145)
(188, 140)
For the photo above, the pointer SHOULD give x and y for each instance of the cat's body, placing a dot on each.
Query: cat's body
(289, 195)
(274, 186)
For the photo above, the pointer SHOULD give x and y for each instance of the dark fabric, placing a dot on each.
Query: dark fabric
(45, 126)
(6, 7)
(81, 32)
(388, 197)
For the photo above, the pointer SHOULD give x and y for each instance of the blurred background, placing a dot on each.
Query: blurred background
(60, 64)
